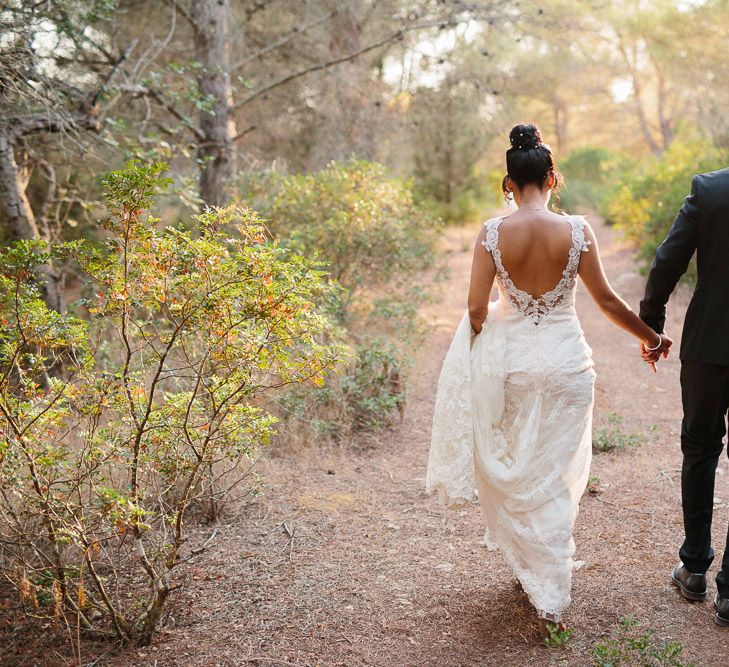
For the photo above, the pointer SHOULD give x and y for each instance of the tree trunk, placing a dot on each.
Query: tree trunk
(21, 220)
(663, 120)
(212, 50)
(154, 613)
(630, 60)
(560, 125)
(643, 119)
(449, 144)
(18, 212)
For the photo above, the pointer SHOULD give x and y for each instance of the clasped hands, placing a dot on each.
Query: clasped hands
(651, 356)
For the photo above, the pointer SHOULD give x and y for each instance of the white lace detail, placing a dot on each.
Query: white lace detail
(537, 308)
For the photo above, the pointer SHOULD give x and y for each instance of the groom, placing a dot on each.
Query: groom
(702, 225)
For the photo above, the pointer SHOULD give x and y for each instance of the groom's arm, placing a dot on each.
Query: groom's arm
(671, 262)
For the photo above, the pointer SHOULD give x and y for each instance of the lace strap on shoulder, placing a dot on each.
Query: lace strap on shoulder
(491, 241)
(579, 241)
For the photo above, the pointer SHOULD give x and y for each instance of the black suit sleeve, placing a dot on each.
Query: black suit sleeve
(671, 262)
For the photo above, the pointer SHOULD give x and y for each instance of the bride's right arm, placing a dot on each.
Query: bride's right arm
(483, 273)
(610, 303)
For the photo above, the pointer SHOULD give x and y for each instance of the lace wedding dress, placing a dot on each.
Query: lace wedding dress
(513, 419)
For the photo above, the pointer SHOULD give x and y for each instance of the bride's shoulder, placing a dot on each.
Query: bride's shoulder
(487, 233)
(574, 216)
(582, 233)
(577, 219)
(492, 223)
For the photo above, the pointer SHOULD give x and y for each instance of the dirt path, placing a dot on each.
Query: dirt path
(378, 573)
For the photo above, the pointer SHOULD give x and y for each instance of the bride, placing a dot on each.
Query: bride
(513, 415)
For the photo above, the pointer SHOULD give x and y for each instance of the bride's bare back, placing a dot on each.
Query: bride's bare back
(535, 249)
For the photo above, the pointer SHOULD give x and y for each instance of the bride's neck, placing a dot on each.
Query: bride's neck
(532, 198)
(533, 205)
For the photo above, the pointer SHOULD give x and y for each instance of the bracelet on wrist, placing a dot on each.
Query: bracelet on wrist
(657, 347)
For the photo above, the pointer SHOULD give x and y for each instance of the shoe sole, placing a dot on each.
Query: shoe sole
(689, 595)
(720, 620)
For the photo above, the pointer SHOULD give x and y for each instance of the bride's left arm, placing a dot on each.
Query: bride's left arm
(609, 302)
(483, 272)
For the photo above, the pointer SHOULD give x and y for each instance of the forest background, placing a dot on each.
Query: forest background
(215, 219)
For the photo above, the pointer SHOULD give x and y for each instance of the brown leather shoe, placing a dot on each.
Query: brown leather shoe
(692, 586)
(721, 605)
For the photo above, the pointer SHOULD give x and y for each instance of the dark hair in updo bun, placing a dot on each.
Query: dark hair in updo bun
(525, 137)
(529, 160)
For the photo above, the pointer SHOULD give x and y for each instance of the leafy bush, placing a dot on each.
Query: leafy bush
(376, 242)
(556, 636)
(364, 224)
(364, 396)
(633, 647)
(105, 448)
(593, 485)
(613, 437)
(590, 176)
(481, 192)
(648, 198)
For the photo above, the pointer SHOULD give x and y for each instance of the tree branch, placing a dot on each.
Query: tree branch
(176, 6)
(397, 35)
(142, 91)
(258, 5)
(41, 122)
(245, 132)
(319, 66)
(298, 30)
(112, 71)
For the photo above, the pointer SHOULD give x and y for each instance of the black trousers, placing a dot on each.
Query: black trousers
(705, 395)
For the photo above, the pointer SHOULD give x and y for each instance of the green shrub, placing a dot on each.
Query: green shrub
(646, 202)
(364, 397)
(633, 647)
(593, 485)
(481, 194)
(590, 176)
(556, 636)
(364, 224)
(376, 242)
(613, 437)
(104, 449)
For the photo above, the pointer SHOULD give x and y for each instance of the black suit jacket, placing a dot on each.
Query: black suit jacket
(702, 226)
